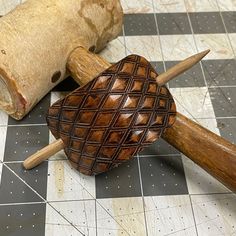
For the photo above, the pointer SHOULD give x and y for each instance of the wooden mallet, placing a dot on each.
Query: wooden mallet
(125, 109)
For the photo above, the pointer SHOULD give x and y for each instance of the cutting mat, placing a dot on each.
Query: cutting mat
(161, 192)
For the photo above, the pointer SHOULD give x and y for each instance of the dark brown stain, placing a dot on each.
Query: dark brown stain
(56, 76)
(92, 49)
(220, 125)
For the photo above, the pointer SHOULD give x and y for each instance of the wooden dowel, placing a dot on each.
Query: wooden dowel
(180, 68)
(43, 154)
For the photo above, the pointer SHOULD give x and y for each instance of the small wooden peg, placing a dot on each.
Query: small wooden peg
(180, 68)
(43, 154)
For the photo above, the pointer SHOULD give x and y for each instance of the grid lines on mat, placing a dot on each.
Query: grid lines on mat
(161, 192)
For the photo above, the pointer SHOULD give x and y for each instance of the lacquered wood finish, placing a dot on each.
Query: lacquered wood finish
(113, 117)
(214, 154)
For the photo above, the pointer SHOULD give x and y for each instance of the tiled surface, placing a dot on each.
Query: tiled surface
(120, 182)
(161, 192)
(25, 219)
(230, 21)
(22, 141)
(227, 128)
(169, 6)
(167, 215)
(14, 190)
(177, 47)
(205, 22)
(173, 23)
(220, 72)
(140, 24)
(223, 100)
(219, 45)
(215, 214)
(201, 6)
(162, 175)
(67, 184)
(36, 178)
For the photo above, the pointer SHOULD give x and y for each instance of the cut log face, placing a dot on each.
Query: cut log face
(110, 119)
(37, 39)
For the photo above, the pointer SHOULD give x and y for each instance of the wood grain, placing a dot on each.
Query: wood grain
(43, 154)
(211, 152)
(41, 35)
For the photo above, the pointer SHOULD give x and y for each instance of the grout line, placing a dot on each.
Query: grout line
(20, 203)
(13, 172)
(70, 223)
(227, 34)
(194, 218)
(27, 125)
(124, 38)
(161, 155)
(97, 201)
(203, 194)
(195, 43)
(95, 198)
(159, 37)
(44, 200)
(222, 86)
(96, 217)
(141, 186)
(73, 200)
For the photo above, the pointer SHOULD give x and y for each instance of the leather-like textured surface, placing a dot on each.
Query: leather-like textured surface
(113, 117)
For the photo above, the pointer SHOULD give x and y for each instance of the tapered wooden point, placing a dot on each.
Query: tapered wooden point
(180, 68)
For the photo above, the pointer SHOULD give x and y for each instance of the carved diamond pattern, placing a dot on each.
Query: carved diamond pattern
(113, 117)
(120, 84)
(152, 87)
(143, 119)
(102, 83)
(141, 71)
(128, 67)
(149, 102)
(137, 86)
(112, 101)
(131, 102)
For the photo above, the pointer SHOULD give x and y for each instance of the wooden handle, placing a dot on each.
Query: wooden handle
(84, 66)
(211, 152)
(43, 154)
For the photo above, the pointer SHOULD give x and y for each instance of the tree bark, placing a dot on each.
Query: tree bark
(36, 40)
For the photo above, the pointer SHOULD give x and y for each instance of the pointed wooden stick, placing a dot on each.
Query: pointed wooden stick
(180, 68)
(56, 146)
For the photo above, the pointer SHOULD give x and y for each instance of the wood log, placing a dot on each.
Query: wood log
(36, 40)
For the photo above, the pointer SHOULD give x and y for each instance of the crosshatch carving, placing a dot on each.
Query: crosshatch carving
(123, 104)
